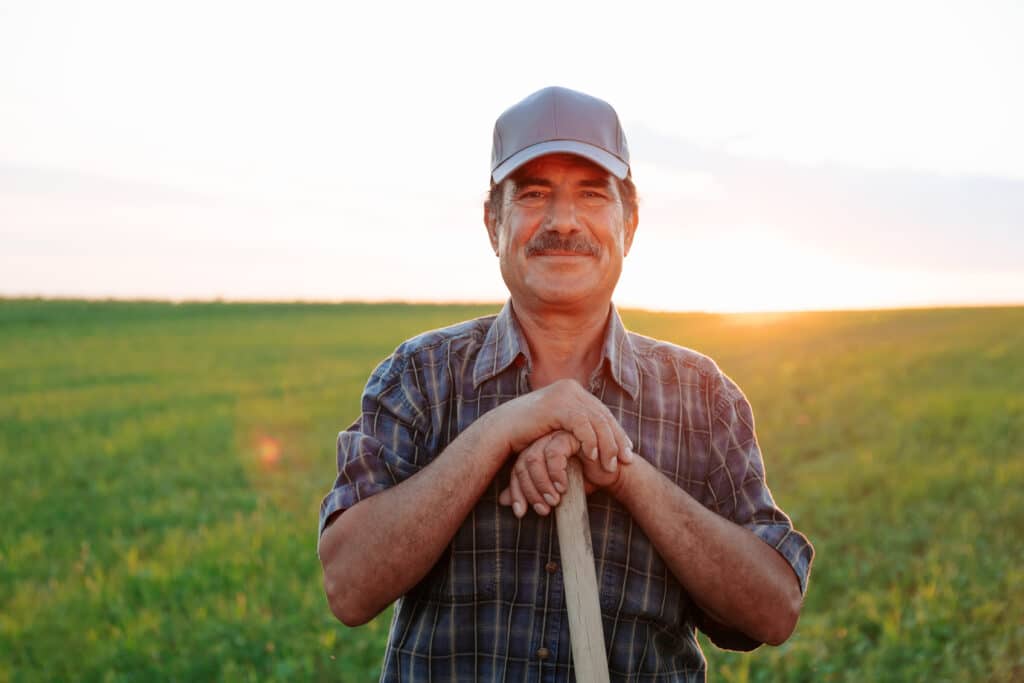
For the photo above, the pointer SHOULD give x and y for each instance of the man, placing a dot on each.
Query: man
(446, 481)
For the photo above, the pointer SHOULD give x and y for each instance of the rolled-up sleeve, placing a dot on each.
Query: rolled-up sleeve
(739, 488)
(385, 445)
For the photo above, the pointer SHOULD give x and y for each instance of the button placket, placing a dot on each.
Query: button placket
(556, 605)
(553, 604)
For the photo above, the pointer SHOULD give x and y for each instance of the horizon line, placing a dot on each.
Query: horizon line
(470, 302)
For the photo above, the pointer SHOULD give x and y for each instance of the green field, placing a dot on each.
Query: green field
(161, 469)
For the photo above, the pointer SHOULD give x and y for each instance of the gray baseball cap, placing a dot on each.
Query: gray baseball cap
(556, 120)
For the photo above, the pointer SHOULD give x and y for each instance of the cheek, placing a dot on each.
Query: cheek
(514, 233)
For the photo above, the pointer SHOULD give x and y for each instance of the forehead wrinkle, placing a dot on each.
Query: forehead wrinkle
(601, 180)
(530, 180)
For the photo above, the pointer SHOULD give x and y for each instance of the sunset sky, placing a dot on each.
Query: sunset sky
(787, 155)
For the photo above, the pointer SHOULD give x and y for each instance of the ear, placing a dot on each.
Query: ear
(631, 225)
(491, 223)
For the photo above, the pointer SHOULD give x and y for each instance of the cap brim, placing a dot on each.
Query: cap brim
(609, 162)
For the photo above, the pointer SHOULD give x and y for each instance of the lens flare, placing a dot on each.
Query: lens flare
(268, 450)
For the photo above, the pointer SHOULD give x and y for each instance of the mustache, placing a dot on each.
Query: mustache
(552, 241)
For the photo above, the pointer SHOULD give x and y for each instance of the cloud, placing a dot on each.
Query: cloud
(68, 185)
(890, 218)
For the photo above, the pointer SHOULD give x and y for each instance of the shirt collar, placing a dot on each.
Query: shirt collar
(505, 343)
(618, 353)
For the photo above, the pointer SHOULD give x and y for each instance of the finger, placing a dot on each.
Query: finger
(608, 445)
(518, 500)
(557, 466)
(562, 443)
(505, 497)
(533, 496)
(562, 447)
(626, 453)
(583, 429)
(622, 441)
(537, 469)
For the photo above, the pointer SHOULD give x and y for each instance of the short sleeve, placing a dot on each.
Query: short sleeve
(737, 485)
(385, 446)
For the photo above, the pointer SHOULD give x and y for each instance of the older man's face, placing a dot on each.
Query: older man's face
(561, 234)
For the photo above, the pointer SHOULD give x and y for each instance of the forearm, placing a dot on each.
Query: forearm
(735, 577)
(378, 549)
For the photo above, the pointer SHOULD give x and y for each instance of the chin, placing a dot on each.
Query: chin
(567, 296)
(558, 289)
(562, 298)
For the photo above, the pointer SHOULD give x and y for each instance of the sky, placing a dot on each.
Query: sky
(788, 156)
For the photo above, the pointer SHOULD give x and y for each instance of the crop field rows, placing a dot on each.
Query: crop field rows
(162, 467)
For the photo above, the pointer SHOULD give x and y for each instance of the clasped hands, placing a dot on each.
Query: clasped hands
(549, 427)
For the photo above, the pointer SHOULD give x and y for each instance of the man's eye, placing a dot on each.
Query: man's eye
(531, 197)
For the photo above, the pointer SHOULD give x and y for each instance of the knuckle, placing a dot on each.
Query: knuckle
(562, 441)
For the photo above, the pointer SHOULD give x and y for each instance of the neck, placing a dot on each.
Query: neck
(563, 345)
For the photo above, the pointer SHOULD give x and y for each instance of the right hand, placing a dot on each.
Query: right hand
(565, 405)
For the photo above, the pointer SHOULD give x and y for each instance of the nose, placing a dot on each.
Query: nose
(561, 215)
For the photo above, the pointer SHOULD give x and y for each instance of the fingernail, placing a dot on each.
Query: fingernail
(593, 454)
(613, 464)
(517, 509)
(628, 456)
(559, 487)
(550, 499)
(541, 510)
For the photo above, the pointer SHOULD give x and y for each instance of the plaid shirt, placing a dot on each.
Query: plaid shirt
(493, 607)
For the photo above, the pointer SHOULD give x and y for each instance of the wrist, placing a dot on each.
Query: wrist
(621, 488)
(494, 431)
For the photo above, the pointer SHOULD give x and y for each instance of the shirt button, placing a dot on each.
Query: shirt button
(543, 653)
(551, 567)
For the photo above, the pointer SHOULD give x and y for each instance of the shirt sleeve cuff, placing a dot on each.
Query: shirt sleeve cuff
(792, 545)
(344, 497)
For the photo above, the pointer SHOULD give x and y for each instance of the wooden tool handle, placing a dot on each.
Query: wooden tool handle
(589, 658)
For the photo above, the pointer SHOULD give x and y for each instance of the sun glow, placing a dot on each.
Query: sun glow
(746, 270)
(281, 188)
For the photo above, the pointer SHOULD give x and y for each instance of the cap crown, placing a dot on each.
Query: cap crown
(559, 120)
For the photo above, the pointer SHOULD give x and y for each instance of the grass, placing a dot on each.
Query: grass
(163, 465)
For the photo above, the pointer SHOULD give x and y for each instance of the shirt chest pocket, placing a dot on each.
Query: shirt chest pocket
(633, 579)
(469, 568)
